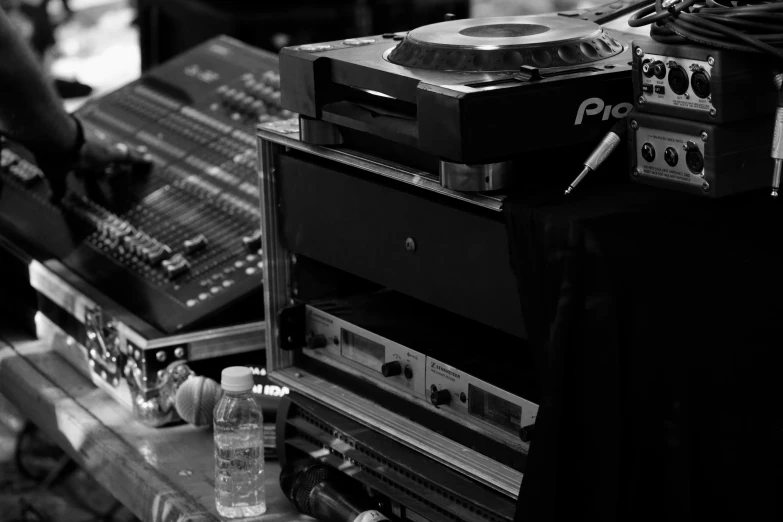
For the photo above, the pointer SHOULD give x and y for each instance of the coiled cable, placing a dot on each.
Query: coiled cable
(753, 26)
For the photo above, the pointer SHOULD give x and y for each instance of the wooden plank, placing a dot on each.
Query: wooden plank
(162, 475)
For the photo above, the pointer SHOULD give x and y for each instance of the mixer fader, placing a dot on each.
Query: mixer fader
(179, 244)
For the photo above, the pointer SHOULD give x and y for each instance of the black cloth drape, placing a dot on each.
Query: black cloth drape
(654, 318)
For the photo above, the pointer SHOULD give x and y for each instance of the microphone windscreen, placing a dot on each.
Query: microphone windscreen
(196, 400)
(299, 478)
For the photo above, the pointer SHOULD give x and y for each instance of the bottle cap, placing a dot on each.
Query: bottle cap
(236, 379)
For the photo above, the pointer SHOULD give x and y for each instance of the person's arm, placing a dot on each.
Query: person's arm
(30, 110)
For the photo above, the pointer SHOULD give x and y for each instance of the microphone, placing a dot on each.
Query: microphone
(323, 492)
(196, 400)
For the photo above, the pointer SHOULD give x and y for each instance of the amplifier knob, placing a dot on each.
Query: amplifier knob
(526, 432)
(390, 369)
(440, 397)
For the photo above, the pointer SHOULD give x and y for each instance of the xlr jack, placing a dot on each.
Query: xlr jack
(678, 79)
(700, 83)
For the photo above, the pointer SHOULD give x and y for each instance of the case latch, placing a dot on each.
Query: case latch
(103, 346)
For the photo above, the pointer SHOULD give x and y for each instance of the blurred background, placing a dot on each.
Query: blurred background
(94, 46)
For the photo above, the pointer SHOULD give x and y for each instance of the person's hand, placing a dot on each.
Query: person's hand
(98, 158)
(102, 164)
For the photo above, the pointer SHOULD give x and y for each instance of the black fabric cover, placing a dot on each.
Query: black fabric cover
(655, 320)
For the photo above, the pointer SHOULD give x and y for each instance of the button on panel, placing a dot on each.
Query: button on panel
(676, 82)
(371, 355)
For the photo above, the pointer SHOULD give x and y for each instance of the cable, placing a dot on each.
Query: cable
(754, 27)
(601, 152)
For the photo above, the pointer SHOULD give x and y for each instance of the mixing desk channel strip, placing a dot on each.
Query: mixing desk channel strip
(182, 242)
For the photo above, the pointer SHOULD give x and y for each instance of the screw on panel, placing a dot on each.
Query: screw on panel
(634, 124)
(711, 61)
(713, 112)
(160, 356)
(704, 136)
(705, 187)
(179, 352)
(639, 51)
(641, 100)
(410, 245)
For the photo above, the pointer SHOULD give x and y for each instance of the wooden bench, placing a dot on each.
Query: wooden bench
(161, 475)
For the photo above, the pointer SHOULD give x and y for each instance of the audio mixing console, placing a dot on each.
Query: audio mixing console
(179, 244)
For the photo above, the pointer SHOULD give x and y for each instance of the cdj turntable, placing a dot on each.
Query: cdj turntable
(414, 371)
(466, 99)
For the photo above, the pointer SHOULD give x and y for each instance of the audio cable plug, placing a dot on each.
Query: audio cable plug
(777, 137)
(601, 152)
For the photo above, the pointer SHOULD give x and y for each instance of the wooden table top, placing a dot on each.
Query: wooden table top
(164, 474)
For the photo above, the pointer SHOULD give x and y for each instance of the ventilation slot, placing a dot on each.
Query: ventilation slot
(308, 440)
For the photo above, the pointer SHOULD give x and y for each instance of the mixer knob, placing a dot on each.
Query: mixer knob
(176, 266)
(252, 242)
(158, 254)
(7, 158)
(118, 230)
(266, 93)
(257, 89)
(271, 78)
(239, 98)
(258, 107)
(131, 242)
(228, 96)
(195, 244)
(440, 397)
(390, 369)
(247, 104)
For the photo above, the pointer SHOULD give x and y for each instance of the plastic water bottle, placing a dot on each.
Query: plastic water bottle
(239, 447)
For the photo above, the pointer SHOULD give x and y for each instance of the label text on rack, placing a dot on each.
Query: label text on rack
(592, 106)
(438, 367)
